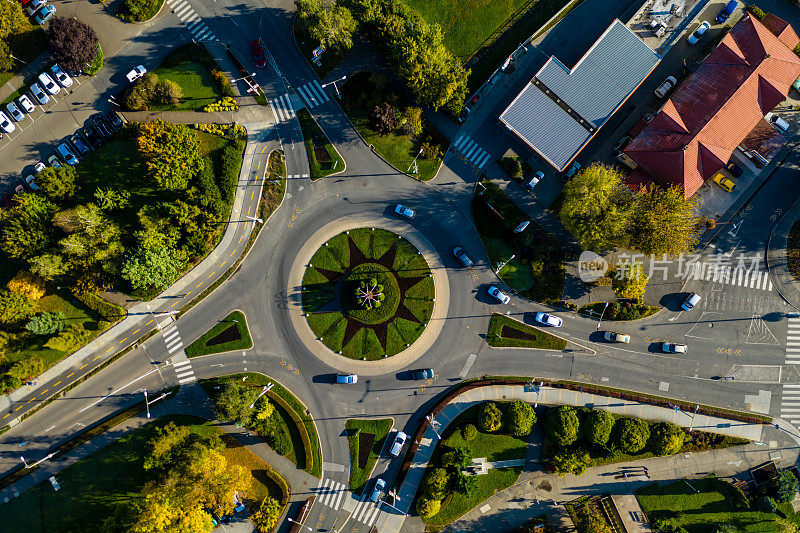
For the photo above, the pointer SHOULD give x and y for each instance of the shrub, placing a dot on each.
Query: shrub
(383, 118)
(168, 93)
(228, 103)
(632, 434)
(94, 66)
(15, 307)
(431, 151)
(141, 93)
(75, 336)
(466, 485)
(46, 323)
(469, 432)
(511, 166)
(520, 418)
(490, 418)
(230, 165)
(597, 427)
(562, 425)
(26, 368)
(140, 10)
(265, 518)
(784, 486)
(27, 284)
(412, 120)
(223, 83)
(435, 484)
(457, 458)
(570, 462)
(756, 11)
(8, 383)
(109, 311)
(767, 504)
(666, 438)
(427, 507)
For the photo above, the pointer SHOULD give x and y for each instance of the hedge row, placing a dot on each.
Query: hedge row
(110, 312)
(301, 428)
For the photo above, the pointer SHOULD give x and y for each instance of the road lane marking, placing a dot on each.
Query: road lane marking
(249, 207)
(110, 349)
(233, 252)
(223, 263)
(18, 408)
(252, 193)
(240, 239)
(84, 366)
(135, 332)
(43, 392)
(32, 399)
(71, 375)
(199, 284)
(123, 340)
(96, 358)
(148, 323)
(212, 273)
(119, 389)
(56, 383)
(174, 304)
(9, 414)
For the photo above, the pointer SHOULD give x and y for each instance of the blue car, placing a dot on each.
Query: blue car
(44, 14)
(727, 11)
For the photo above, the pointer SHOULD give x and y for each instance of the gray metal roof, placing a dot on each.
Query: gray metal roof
(597, 86)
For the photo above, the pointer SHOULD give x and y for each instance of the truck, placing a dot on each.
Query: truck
(136, 73)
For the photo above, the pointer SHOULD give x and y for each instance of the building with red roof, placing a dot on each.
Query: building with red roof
(713, 111)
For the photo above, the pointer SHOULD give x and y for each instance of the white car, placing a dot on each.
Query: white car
(536, 178)
(62, 77)
(698, 33)
(376, 492)
(5, 123)
(397, 445)
(613, 336)
(38, 167)
(39, 94)
(34, 6)
(548, 320)
(14, 112)
(48, 83)
(136, 73)
(668, 347)
(26, 104)
(404, 211)
(665, 87)
(779, 124)
(690, 301)
(499, 295)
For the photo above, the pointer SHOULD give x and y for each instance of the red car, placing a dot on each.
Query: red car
(258, 53)
(25, 2)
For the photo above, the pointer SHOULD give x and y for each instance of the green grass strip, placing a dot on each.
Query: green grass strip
(380, 428)
(315, 137)
(541, 339)
(236, 319)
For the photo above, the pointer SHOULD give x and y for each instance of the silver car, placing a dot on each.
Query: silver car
(48, 83)
(63, 78)
(39, 94)
(14, 112)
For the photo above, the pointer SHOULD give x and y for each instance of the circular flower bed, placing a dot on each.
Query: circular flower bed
(368, 294)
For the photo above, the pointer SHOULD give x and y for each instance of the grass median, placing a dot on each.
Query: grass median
(231, 333)
(367, 438)
(323, 159)
(507, 332)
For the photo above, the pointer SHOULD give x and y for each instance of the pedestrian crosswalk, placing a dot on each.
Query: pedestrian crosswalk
(312, 94)
(793, 342)
(184, 372)
(334, 495)
(282, 108)
(471, 152)
(172, 338)
(741, 277)
(296, 176)
(193, 23)
(331, 493)
(366, 511)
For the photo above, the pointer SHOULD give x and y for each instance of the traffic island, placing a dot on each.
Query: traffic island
(230, 333)
(507, 332)
(366, 438)
(367, 294)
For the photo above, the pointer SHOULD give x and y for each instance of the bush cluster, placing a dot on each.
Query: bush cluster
(229, 131)
(151, 90)
(139, 10)
(227, 103)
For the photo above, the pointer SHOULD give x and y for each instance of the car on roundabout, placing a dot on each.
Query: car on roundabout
(546, 319)
(397, 446)
(613, 336)
(669, 347)
(405, 212)
(462, 256)
(347, 379)
(499, 295)
(422, 373)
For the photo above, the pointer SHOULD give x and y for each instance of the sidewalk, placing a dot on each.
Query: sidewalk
(549, 396)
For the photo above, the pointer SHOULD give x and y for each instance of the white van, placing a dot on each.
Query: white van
(690, 301)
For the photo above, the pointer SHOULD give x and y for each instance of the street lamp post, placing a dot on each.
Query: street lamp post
(43, 459)
(12, 56)
(414, 163)
(538, 394)
(334, 85)
(264, 390)
(254, 219)
(300, 523)
(696, 407)
(601, 315)
(146, 404)
(504, 263)
(431, 419)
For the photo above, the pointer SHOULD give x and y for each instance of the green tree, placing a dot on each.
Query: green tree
(436, 484)
(12, 19)
(267, 514)
(597, 427)
(165, 444)
(47, 266)
(26, 228)
(151, 268)
(785, 486)
(664, 222)
(520, 418)
(15, 307)
(465, 485)
(47, 323)
(591, 522)
(27, 368)
(233, 402)
(109, 199)
(666, 438)
(596, 208)
(171, 153)
(72, 338)
(331, 26)
(571, 462)
(630, 281)
(767, 504)
(427, 507)
(631, 434)
(58, 183)
(457, 458)
(469, 432)
(6, 61)
(490, 418)
(562, 425)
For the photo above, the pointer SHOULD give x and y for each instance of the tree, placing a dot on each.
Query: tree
(28, 284)
(457, 458)
(26, 368)
(47, 266)
(171, 153)
(664, 222)
(571, 462)
(785, 486)
(466, 485)
(72, 43)
(435, 484)
(332, 27)
(666, 438)
(6, 61)
(596, 208)
(233, 402)
(520, 418)
(46, 323)
(15, 307)
(468, 432)
(264, 409)
(112, 199)
(632, 434)
(72, 338)
(12, 19)
(597, 427)
(490, 418)
(168, 508)
(151, 268)
(412, 120)
(590, 522)
(168, 93)
(164, 444)
(267, 514)
(630, 281)
(26, 227)
(58, 183)
(427, 507)
(767, 504)
(383, 118)
(562, 425)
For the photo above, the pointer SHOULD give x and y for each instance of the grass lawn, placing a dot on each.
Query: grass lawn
(273, 191)
(92, 488)
(380, 430)
(27, 46)
(330, 306)
(323, 159)
(310, 461)
(704, 511)
(537, 270)
(195, 80)
(492, 446)
(793, 251)
(505, 331)
(232, 326)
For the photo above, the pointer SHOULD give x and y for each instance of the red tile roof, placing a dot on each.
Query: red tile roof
(696, 131)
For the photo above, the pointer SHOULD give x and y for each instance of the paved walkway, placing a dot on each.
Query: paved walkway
(777, 264)
(549, 396)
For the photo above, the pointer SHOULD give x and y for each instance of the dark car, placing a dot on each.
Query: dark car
(735, 169)
(79, 144)
(91, 137)
(116, 121)
(101, 126)
(422, 373)
(258, 53)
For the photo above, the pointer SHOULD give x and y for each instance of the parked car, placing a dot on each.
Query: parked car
(30, 182)
(613, 336)
(48, 83)
(136, 73)
(19, 188)
(422, 373)
(779, 124)
(78, 143)
(668, 347)
(727, 11)
(66, 153)
(38, 94)
(397, 446)
(735, 169)
(695, 37)
(53, 161)
(533, 180)
(499, 295)
(91, 137)
(38, 167)
(546, 319)
(726, 184)
(44, 14)
(796, 85)
(63, 78)
(380, 484)
(26, 104)
(690, 301)
(14, 112)
(258, 53)
(34, 6)
(347, 378)
(462, 256)
(115, 120)
(5, 123)
(404, 211)
(101, 126)
(665, 87)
